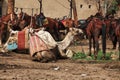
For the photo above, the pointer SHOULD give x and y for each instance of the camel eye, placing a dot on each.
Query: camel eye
(12, 34)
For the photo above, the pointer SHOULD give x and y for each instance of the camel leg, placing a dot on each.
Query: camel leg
(119, 47)
(114, 42)
(96, 41)
(62, 54)
(0, 43)
(0, 38)
(90, 46)
(1, 33)
(47, 56)
(96, 48)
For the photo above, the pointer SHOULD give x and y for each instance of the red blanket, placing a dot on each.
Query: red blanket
(36, 45)
(22, 40)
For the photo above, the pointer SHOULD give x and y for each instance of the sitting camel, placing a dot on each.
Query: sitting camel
(53, 48)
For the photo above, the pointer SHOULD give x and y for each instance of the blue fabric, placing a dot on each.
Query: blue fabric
(12, 46)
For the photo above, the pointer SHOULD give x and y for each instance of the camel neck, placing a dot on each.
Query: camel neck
(66, 42)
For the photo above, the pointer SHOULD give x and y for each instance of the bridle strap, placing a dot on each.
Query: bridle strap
(11, 17)
(23, 16)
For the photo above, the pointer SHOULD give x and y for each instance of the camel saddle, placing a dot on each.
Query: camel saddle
(41, 20)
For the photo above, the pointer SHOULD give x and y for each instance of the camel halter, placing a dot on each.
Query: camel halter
(23, 16)
(31, 25)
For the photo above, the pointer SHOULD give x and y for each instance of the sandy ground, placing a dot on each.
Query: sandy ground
(19, 66)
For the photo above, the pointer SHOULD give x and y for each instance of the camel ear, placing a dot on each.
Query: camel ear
(10, 30)
(80, 31)
(71, 29)
(77, 30)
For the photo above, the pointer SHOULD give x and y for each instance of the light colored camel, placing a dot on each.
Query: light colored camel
(50, 42)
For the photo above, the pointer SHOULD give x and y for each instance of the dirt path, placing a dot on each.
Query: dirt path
(21, 67)
(14, 66)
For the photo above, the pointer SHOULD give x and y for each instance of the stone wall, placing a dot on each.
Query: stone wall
(55, 8)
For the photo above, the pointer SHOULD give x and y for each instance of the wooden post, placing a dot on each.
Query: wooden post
(40, 1)
(1, 2)
(70, 1)
(99, 6)
(10, 6)
(75, 12)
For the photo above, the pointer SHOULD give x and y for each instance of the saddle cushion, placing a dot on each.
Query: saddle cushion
(41, 20)
(45, 21)
(36, 45)
(12, 46)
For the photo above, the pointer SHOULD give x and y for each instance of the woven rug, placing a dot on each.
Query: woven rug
(23, 40)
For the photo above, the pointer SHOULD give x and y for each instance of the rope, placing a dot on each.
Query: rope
(69, 15)
(31, 19)
(61, 4)
(23, 16)
(25, 8)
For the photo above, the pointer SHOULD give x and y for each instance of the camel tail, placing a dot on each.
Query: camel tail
(104, 39)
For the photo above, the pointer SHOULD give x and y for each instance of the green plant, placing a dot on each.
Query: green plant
(113, 7)
(79, 55)
(82, 56)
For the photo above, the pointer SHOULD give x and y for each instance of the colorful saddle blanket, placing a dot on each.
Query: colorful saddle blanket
(36, 45)
(23, 40)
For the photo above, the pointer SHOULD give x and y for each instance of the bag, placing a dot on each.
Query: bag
(45, 21)
(12, 46)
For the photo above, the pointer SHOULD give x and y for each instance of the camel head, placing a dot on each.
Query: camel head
(75, 31)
